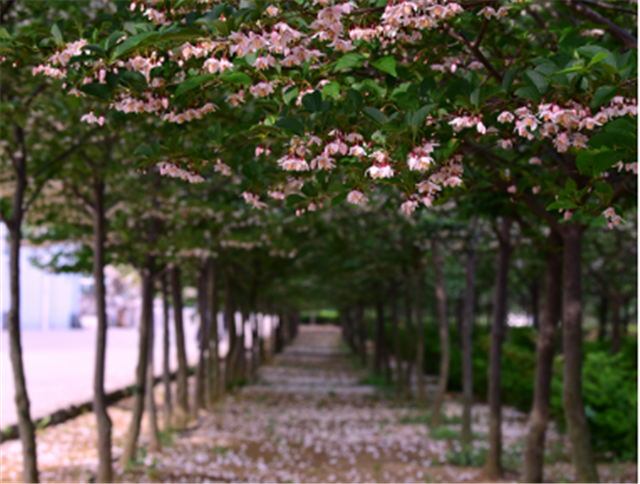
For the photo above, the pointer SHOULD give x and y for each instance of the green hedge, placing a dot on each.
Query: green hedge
(609, 387)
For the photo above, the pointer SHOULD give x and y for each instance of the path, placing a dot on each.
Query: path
(306, 419)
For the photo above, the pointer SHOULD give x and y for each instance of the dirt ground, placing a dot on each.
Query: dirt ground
(306, 419)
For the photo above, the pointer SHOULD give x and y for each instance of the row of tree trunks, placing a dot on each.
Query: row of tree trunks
(467, 348)
(166, 375)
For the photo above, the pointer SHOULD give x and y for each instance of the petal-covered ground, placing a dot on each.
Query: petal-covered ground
(307, 418)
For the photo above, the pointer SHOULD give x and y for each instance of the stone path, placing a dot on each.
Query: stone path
(306, 419)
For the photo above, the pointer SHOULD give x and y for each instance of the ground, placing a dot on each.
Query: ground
(307, 418)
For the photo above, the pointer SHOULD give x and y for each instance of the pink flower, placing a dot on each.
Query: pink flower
(356, 197)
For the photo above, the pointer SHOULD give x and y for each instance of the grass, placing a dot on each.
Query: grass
(467, 457)
(425, 418)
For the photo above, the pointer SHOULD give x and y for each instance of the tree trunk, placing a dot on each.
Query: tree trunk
(229, 317)
(494, 453)
(534, 452)
(23, 406)
(441, 300)
(616, 300)
(422, 401)
(602, 316)
(467, 347)
(131, 439)
(181, 412)
(572, 344)
(214, 337)
(105, 472)
(166, 374)
(362, 331)
(396, 336)
(378, 356)
(535, 304)
(152, 417)
(198, 399)
(410, 336)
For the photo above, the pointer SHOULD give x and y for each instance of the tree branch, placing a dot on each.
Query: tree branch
(618, 32)
(66, 153)
(597, 3)
(478, 53)
(538, 209)
(5, 8)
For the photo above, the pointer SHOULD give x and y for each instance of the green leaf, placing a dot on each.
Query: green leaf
(290, 94)
(96, 49)
(4, 34)
(529, 93)
(421, 114)
(113, 38)
(293, 124)
(331, 90)
(56, 33)
(97, 90)
(309, 190)
(294, 199)
(386, 64)
(602, 95)
(597, 58)
(132, 43)
(192, 83)
(341, 197)
(509, 77)
(355, 97)
(349, 61)
(562, 204)
(375, 114)
(143, 150)
(614, 139)
(236, 77)
(312, 101)
(595, 163)
(538, 80)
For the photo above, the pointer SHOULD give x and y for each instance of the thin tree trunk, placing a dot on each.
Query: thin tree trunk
(467, 347)
(214, 341)
(577, 427)
(229, 316)
(494, 453)
(602, 316)
(410, 336)
(534, 452)
(181, 411)
(152, 417)
(379, 340)
(23, 406)
(166, 373)
(441, 300)
(422, 401)
(535, 304)
(198, 399)
(105, 472)
(362, 331)
(616, 337)
(131, 439)
(396, 336)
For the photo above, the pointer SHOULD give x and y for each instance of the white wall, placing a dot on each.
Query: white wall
(47, 300)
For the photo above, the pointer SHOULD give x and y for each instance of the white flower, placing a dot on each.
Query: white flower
(356, 197)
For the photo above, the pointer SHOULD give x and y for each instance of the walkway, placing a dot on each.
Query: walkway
(306, 419)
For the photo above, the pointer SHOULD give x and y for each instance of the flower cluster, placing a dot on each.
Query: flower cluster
(172, 170)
